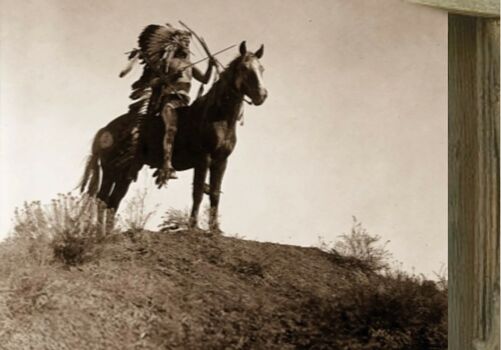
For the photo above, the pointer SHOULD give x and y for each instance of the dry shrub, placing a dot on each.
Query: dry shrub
(175, 220)
(179, 220)
(135, 215)
(65, 229)
(442, 278)
(364, 248)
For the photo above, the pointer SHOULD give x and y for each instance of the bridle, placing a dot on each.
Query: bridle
(234, 92)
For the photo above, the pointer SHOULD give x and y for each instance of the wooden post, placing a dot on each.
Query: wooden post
(473, 179)
(473, 172)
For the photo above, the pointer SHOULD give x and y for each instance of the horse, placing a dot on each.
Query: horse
(205, 138)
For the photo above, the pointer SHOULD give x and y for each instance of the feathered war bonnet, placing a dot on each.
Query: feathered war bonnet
(155, 43)
(155, 40)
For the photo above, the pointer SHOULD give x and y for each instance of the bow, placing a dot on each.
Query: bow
(204, 45)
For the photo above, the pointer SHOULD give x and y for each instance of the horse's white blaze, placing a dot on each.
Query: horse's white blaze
(257, 68)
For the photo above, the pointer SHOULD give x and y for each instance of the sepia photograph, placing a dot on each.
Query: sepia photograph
(228, 175)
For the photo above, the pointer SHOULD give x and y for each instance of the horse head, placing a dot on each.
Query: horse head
(249, 75)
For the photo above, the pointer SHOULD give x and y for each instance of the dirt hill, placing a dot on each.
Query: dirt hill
(194, 290)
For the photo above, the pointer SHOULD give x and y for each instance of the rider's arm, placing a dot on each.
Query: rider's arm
(203, 78)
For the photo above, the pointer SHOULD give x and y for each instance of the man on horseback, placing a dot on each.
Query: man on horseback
(109, 171)
(165, 83)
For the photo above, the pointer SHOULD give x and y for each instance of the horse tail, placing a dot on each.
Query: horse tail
(92, 176)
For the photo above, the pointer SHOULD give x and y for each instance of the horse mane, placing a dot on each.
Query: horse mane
(219, 89)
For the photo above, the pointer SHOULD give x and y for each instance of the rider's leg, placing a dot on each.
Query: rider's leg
(169, 117)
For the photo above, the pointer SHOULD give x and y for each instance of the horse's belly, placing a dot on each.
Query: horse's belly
(182, 162)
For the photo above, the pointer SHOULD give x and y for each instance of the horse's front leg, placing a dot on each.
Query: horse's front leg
(198, 189)
(216, 178)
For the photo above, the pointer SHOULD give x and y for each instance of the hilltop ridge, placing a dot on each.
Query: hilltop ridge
(194, 290)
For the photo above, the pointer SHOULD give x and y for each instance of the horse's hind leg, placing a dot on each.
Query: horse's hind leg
(119, 192)
(105, 189)
(103, 196)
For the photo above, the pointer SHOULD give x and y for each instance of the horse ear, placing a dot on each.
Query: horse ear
(243, 48)
(259, 53)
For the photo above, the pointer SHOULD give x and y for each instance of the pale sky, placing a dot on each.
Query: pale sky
(355, 122)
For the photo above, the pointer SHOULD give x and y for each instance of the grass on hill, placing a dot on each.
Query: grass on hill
(68, 281)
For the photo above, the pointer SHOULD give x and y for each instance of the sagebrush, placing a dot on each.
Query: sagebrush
(65, 229)
(363, 247)
(178, 220)
(135, 214)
